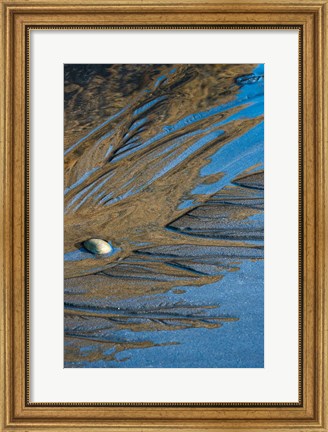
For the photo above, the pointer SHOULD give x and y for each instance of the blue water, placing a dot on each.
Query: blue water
(234, 345)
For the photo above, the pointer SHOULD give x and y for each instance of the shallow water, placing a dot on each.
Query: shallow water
(166, 163)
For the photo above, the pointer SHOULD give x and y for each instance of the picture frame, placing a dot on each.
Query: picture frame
(310, 412)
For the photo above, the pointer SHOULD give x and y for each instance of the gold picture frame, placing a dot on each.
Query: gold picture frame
(18, 18)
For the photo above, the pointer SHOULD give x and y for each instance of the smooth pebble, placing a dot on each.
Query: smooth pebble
(97, 246)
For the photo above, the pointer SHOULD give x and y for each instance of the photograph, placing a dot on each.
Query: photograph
(164, 215)
(164, 244)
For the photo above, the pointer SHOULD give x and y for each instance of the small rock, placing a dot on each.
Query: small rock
(249, 79)
(97, 246)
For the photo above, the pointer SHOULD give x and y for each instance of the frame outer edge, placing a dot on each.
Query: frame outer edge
(6, 404)
(324, 213)
(321, 115)
(2, 218)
